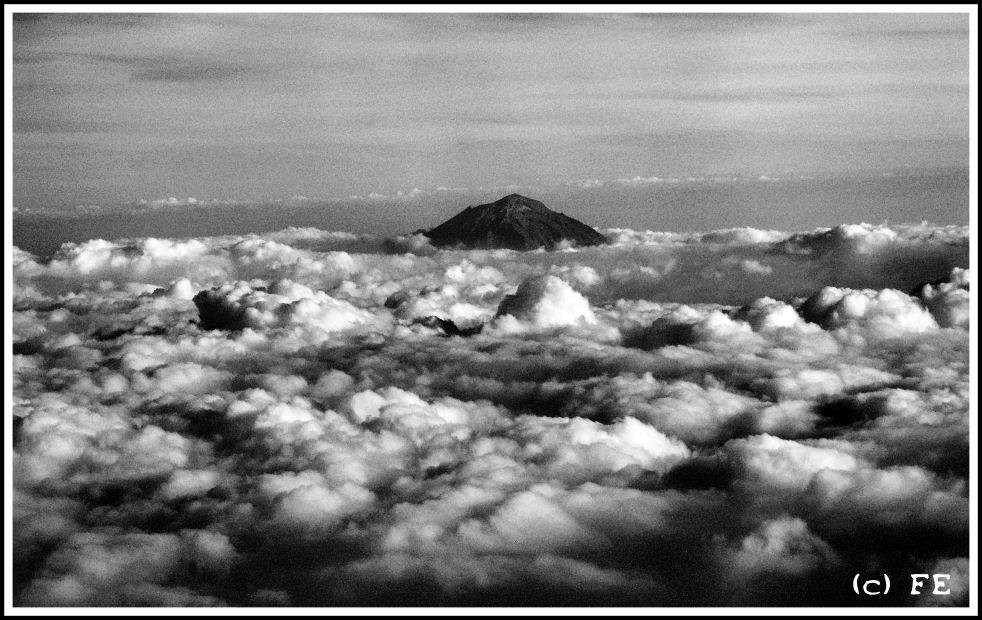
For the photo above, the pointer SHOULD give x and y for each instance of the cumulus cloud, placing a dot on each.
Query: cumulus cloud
(948, 300)
(884, 313)
(545, 302)
(238, 306)
(783, 546)
(316, 418)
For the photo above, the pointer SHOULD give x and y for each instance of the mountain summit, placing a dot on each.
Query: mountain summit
(514, 223)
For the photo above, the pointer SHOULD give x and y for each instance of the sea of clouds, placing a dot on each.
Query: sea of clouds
(311, 418)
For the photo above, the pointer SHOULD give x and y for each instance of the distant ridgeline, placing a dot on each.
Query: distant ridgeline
(514, 223)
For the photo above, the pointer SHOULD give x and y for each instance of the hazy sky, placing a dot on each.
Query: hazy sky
(123, 107)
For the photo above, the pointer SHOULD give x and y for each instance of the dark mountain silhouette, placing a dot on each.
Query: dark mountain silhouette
(515, 223)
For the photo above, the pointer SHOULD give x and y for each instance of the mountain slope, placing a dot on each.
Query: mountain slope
(515, 223)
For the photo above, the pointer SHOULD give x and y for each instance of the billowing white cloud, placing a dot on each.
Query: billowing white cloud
(949, 301)
(783, 545)
(883, 313)
(542, 303)
(319, 418)
(285, 304)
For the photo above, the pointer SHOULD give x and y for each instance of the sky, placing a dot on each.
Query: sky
(129, 107)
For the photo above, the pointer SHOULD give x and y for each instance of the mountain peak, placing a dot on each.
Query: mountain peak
(517, 200)
(512, 222)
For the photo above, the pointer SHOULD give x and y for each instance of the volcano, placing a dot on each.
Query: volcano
(514, 222)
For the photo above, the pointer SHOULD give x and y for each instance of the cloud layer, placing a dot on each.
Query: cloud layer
(738, 417)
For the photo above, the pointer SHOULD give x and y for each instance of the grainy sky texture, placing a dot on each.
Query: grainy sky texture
(249, 106)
